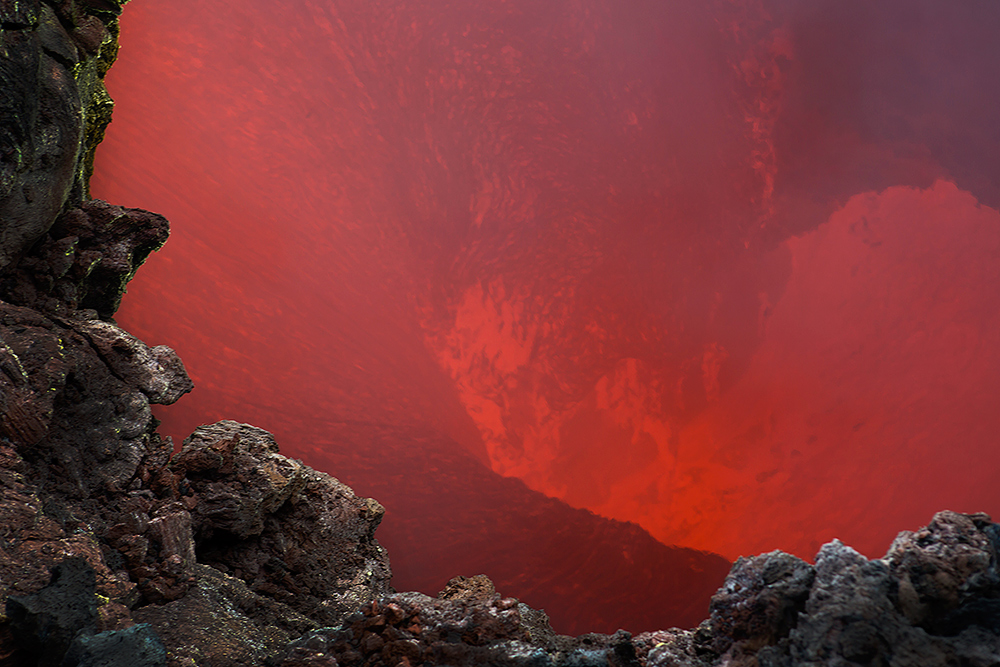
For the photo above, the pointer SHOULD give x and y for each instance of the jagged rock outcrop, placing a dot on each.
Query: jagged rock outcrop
(116, 551)
(290, 532)
(85, 259)
(932, 600)
(293, 549)
(74, 399)
(466, 625)
(53, 110)
(87, 486)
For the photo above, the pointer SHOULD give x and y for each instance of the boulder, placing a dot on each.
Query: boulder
(290, 532)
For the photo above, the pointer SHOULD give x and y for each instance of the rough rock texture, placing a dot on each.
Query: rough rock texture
(74, 399)
(220, 622)
(84, 475)
(137, 646)
(290, 532)
(53, 110)
(300, 539)
(100, 528)
(85, 259)
(51, 618)
(114, 551)
(932, 600)
(465, 630)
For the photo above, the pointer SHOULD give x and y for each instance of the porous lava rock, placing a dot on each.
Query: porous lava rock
(474, 627)
(74, 399)
(294, 534)
(85, 259)
(930, 601)
(219, 622)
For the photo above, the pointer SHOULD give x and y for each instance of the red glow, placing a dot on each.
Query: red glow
(726, 270)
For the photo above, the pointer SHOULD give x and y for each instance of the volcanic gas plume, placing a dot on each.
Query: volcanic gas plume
(726, 270)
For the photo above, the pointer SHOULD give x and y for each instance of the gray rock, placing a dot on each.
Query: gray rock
(759, 602)
(137, 646)
(221, 623)
(46, 622)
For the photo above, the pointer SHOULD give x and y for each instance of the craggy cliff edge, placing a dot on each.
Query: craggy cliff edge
(115, 551)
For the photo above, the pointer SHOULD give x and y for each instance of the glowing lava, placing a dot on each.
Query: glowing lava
(726, 270)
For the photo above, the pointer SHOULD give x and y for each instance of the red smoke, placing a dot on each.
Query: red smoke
(727, 270)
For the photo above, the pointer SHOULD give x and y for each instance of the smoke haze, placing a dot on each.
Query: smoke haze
(726, 270)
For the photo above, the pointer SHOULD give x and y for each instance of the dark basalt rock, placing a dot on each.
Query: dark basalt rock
(929, 602)
(137, 646)
(85, 260)
(49, 620)
(280, 526)
(53, 111)
(74, 399)
(463, 631)
(760, 602)
(229, 553)
(219, 622)
(774, 610)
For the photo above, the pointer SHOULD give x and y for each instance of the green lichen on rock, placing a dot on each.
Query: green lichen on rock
(97, 103)
(54, 109)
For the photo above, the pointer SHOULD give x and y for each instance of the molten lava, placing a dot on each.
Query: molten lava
(724, 270)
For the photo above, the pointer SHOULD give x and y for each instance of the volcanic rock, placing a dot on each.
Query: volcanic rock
(219, 622)
(75, 395)
(773, 610)
(114, 551)
(859, 611)
(50, 619)
(238, 477)
(760, 602)
(53, 111)
(589, 573)
(290, 532)
(85, 259)
(137, 646)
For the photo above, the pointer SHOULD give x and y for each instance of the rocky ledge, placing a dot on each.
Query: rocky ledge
(117, 550)
(228, 553)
